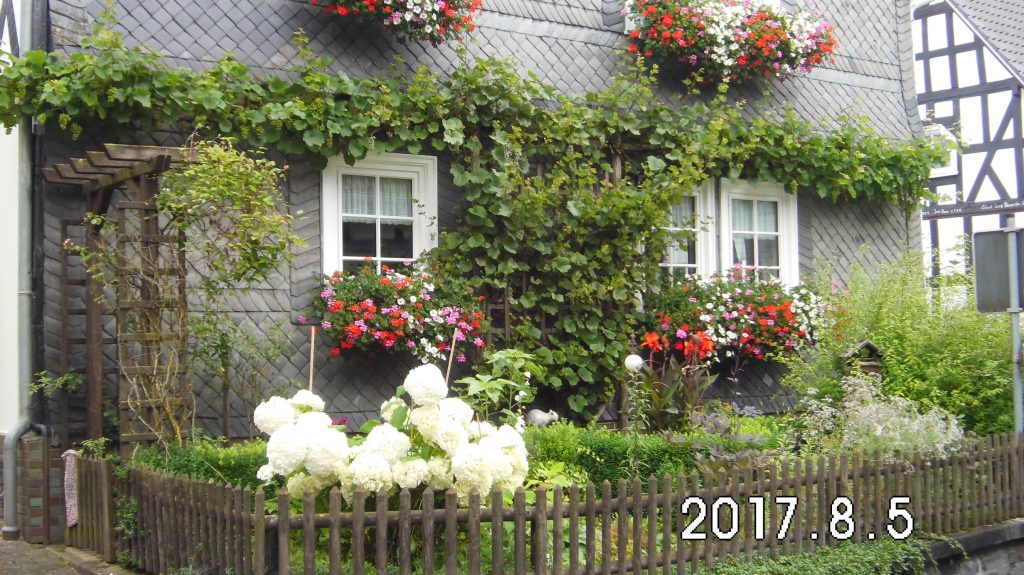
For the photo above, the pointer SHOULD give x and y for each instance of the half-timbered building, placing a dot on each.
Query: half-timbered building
(969, 69)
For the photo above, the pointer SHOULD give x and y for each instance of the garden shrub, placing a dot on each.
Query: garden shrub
(936, 348)
(771, 432)
(207, 459)
(737, 433)
(886, 556)
(608, 455)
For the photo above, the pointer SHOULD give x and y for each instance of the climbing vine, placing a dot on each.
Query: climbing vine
(566, 196)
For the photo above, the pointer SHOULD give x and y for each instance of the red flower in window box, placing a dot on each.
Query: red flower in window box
(729, 39)
(434, 21)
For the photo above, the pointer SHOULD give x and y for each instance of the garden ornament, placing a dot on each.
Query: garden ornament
(541, 418)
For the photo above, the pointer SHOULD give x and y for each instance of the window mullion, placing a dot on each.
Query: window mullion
(340, 221)
(377, 210)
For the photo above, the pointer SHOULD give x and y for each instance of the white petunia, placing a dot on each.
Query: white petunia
(425, 385)
(273, 414)
(305, 400)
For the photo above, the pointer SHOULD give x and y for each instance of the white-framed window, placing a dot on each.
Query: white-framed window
(695, 214)
(749, 224)
(383, 208)
(758, 229)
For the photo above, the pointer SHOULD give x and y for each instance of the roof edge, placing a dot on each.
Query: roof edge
(984, 40)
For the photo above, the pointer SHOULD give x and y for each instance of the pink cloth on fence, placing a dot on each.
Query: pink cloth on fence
(70, 458)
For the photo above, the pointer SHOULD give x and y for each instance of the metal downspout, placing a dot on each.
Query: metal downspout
(11, 529)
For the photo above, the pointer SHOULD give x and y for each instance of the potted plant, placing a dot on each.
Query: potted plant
(434, 21)
(727, 39)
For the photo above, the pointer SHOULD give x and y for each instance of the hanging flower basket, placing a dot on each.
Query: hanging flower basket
(729, 40)
(434, 21)
(409, 309)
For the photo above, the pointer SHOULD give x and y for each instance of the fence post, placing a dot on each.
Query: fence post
(1017, 488)
(259, 557)
(109, 546)
(283, 557)
(540, 531)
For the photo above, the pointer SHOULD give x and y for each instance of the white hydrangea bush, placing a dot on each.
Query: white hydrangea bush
(431, 440)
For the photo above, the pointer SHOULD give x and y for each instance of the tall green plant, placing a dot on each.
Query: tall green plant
(229, 204)
(936, 348)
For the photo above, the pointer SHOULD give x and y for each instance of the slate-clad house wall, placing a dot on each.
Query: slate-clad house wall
(576, 45)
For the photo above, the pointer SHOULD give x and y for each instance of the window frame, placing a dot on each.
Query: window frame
(788, 230)
(421, 169)
(703, 226)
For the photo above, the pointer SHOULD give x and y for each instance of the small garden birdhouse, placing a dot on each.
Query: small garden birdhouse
(865, 357)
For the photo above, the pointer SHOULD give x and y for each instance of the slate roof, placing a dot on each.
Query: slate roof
(576, 45)
(1000, 23)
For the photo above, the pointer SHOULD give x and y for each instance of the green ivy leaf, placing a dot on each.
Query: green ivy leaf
(313, 138)
(655, 163)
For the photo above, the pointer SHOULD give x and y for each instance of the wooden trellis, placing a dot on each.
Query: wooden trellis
(121, 182)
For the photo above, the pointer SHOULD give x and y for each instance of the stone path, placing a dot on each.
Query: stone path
(20, 558)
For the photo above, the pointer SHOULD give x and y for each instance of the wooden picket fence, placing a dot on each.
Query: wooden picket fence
(632, 527)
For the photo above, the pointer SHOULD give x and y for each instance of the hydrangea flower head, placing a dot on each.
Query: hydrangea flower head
(426, 385)
(305, 400)
(273, 414)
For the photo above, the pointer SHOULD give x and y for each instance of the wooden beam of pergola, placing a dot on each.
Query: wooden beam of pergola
(116, 164)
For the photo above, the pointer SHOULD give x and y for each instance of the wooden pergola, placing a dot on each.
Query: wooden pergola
(98, 176)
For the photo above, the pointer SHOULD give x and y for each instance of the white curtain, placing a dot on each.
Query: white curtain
(396, 197)
(357, 194)
(743, 215)
(682, 214)
(767, 216)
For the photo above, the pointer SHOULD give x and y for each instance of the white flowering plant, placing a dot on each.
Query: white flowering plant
(428, 440)
(867, 419)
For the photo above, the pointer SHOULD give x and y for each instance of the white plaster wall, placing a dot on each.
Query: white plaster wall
(10, 192)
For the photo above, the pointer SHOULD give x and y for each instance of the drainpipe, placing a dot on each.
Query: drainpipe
(11, 530)
(25, 296)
